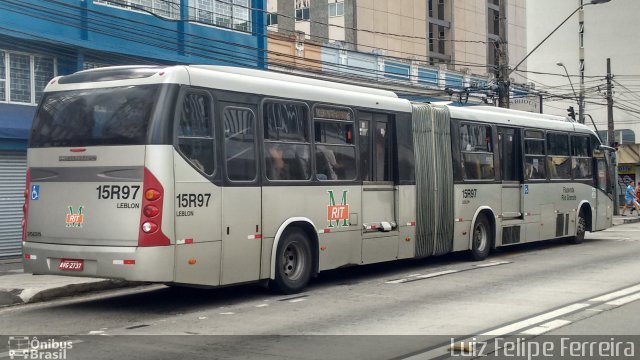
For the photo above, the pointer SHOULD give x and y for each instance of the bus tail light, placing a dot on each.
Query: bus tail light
(150, 233)
(152, 194)
(151, 211)
(149, 227)
(25, 207)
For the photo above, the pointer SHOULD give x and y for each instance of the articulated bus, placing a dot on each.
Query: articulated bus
(211, 176)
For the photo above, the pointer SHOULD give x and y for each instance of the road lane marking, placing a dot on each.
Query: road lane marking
(416, 277)
(546, 327)
(421, 277)
(227, 313)
(297, 300)
(262, 305)
(617, 294)
(493, 263)
(513, 328)
(294, 298)
(624, 300)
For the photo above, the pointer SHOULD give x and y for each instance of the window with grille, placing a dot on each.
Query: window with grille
(233, 14)
(302, 10)
(23, 77)
(165, 8)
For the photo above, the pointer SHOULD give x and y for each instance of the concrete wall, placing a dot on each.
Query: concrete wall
(396, 26)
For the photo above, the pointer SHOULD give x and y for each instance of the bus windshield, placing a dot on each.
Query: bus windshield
(93, 117)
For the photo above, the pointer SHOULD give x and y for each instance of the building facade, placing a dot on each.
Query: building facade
(460, 34)
(41, 39)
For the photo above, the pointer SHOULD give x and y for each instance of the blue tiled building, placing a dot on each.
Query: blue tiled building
(40, 39)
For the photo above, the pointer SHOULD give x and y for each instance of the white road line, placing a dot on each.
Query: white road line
(420, 277)
(546, 327)
(616, 294)
(297, 300)
(513, 328)
(399, 281)
(440, 273)
(262, 305)
(624, 300)
(227, 313)
(494, 263)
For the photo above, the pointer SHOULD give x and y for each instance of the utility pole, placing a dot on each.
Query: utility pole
(612, 139)
(503, 59)
(581, 109)
(610, 134)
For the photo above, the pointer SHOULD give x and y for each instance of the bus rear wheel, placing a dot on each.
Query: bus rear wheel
(581, 227)
(293, 262)
(481, 238)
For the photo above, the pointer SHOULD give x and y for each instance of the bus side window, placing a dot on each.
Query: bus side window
(195, 132)
(364, 120)
(335, 150)
(239, 143)
(581, 153)
(534, 145)
(558, 156)
(287, 146)
(476, 147)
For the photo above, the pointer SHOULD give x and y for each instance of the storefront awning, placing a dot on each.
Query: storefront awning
(15, 121)
(629, 154)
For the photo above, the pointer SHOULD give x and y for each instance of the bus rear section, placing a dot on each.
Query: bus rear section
(98, 199)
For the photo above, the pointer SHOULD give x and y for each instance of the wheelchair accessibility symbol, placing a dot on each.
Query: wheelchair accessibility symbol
(526, 189)
(35, 192)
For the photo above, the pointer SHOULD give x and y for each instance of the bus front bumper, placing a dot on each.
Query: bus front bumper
(150, 264)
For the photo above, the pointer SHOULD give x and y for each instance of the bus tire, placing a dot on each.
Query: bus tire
(481, 238)
(581, 228)
(293, 262)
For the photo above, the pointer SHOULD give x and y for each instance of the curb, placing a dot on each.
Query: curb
(10, 297)
(631, 221)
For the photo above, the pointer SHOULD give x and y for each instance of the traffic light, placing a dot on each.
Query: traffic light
(571, 112)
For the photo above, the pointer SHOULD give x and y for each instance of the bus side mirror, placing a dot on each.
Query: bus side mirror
(607, 148)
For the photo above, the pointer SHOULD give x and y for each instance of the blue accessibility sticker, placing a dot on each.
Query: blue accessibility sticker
(35, 192)
(526, 189)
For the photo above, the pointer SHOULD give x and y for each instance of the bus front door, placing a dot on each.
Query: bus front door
(511, 169)
(380, 228)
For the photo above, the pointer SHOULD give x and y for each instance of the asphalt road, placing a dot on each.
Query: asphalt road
(538, 289)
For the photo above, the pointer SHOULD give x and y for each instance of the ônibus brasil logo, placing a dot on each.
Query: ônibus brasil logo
(75, 219)
(338, 213)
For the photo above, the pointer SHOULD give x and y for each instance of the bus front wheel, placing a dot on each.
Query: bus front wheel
(581, 227)
(293, 262)
(481, 238)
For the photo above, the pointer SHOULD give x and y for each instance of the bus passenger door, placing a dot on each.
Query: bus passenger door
(197, 206)
(241, 195)
(601, 195)
(511, 169)
(380, 227)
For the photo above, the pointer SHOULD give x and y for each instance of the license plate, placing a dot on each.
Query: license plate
(71, 264)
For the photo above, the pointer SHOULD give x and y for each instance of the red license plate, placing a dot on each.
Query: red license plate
(71, 264)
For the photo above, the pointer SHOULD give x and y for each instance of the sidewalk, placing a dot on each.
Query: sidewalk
(16, 287)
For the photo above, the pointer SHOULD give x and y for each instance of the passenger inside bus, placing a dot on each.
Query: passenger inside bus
(277, 169)
(326, 164)
(284, 163)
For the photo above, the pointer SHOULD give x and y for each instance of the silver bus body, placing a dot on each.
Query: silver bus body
(207, 229)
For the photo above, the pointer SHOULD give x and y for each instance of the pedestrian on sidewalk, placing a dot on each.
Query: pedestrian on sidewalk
(630, 199)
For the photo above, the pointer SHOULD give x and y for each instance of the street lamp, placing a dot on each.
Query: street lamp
(570, 82)
(504, 78)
